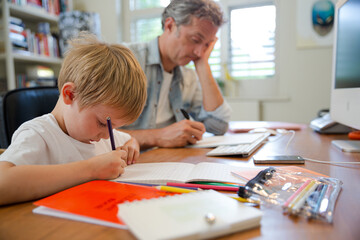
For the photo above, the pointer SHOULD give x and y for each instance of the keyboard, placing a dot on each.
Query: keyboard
(242, 150)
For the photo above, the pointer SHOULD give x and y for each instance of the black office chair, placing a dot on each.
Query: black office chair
(20, 105)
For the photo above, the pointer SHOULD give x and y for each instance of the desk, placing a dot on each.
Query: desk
(18, 222)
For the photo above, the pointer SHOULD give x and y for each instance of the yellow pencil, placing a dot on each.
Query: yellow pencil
(175, 189)
(298, 199)
(244, 200)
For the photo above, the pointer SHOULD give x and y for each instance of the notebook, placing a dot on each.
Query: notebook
(179, 172)
(197, 215)
(95, 202)
(230, 139)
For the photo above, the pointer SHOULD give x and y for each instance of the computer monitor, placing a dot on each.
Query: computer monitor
(345, 92)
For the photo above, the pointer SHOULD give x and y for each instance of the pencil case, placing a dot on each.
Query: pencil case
(295, 192)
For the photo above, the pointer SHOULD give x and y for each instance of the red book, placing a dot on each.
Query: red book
(95, 201)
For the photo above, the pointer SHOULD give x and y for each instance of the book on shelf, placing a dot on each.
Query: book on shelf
(95, 202)
(54, 7)
(179, 172)
(43, 42)
(15, 20)
(16, 28)
(36, 75)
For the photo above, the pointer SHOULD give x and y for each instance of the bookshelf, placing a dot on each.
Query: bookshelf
(15, 61)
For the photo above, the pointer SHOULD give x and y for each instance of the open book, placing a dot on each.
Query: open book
(179, 172)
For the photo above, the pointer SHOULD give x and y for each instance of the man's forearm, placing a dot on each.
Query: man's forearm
(146, 137)
(212, 97)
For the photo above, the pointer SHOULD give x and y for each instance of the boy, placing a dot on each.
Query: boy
(67, 147)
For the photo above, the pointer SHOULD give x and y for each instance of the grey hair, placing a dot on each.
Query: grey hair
(182, 11)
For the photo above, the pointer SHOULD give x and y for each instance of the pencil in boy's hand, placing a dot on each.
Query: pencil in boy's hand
(111, 135)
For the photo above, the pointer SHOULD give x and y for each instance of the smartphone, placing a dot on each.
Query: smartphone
(279, 159)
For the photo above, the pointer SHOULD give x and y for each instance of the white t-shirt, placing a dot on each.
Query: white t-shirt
(41, 141)
(164, 112)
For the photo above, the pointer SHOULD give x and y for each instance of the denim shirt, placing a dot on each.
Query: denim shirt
(185, 92)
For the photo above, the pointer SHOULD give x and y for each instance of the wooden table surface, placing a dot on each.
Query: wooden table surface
(18, 222)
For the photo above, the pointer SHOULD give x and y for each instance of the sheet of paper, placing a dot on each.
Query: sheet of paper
(219, 172)
(156, 173)
(231, 139)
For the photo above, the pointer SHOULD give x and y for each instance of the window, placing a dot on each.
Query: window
(145, 29)
(252, 42)
(141, 4)
(246, 46)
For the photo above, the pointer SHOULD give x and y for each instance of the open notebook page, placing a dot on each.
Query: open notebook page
(215, 172)
(156, 173)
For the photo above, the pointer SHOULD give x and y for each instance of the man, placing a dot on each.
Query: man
(189, 34)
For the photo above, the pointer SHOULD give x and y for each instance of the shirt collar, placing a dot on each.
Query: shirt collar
(154, 52)
(154, 58)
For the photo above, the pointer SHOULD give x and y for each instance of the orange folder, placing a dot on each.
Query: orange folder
(99, 199)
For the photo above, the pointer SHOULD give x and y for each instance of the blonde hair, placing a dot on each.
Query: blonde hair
(107, 74)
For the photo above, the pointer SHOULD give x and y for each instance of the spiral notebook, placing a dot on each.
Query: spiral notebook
(196, 215)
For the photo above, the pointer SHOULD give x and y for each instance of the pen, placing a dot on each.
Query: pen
(186, 115)
(321, 197)
(325, 201)
(111, 135)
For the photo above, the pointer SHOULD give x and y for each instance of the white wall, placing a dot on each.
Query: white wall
(304, 75)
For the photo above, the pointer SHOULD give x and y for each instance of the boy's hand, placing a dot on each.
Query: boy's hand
(133, 150)
(109, 165)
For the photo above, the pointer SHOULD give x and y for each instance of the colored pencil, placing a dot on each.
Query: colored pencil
(299, 202)
(185, 190)
(153, 185)
(286, 204)
(174, 189)
(203, 186)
